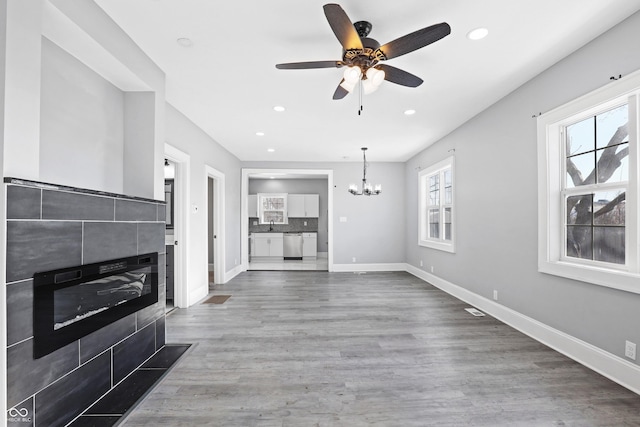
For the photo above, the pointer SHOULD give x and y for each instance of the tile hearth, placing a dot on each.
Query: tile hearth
(111, 408)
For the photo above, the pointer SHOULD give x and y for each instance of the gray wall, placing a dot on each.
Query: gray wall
(496, 202)
(375, 228)
(299, 186)
(82, 124)
(204, 151)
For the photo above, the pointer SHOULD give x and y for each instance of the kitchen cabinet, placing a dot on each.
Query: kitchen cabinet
(253, 206)
(309, 245)
(303, 206)
(267, 245)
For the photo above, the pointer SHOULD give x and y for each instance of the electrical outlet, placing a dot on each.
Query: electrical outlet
(630, 350)
(495, 295)
(255, 222)
(432, 268)
(353, 259)
(305, 223)
(421, 263)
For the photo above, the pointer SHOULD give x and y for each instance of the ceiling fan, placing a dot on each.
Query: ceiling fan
(363, 55)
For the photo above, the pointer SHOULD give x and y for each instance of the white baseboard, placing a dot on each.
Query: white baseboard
(198, 294)
(609, 365)
(347, 268)
(228, 275)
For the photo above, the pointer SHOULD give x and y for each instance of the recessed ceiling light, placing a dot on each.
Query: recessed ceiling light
(271, 150)
(409, 112)
(477, 34)
(279, 108)
(259, 133)
(185, 42)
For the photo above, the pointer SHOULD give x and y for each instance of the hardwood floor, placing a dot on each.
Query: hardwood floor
(384, 349)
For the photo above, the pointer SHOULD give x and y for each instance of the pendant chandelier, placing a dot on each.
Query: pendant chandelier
(367, 189)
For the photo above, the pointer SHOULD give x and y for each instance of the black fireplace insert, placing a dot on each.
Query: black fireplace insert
(70, 303)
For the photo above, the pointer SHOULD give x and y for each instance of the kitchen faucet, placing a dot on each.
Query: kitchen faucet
(271, 225)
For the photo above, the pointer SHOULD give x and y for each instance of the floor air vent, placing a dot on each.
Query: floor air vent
(475, 312)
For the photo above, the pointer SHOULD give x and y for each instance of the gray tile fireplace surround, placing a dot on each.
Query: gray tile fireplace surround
(51, 227)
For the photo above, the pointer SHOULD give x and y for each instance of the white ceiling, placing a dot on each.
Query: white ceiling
(227, 82)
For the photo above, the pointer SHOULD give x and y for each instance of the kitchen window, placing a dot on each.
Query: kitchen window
(436, 207)
(272, 208)
(588, 187)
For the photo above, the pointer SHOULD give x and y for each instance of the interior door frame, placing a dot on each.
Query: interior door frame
(244, 208)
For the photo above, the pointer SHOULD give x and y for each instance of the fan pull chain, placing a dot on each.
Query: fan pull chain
(360, 97)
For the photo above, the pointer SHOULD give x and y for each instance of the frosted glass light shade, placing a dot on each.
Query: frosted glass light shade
(352, 74)
(376, 76)
(348, 86)
(369, 87)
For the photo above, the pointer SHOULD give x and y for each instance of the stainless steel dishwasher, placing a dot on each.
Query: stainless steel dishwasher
(292, 246)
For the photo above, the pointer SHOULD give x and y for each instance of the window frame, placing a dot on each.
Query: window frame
(284, 196)
(552, 189)
(423, 206)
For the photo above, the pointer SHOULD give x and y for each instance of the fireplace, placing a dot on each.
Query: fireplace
(72, 302)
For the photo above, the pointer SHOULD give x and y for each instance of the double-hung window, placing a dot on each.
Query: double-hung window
(588, 187)
(436, 210)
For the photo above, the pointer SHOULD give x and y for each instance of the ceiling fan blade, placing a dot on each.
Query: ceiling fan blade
(308, 65)
(398, 76)
(414, 41)
(340, 92)
(342, 27)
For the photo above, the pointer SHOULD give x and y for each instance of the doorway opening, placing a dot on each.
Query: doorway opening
(178, 240)
(210, 231)
(263, 243)
(215, 250)
(169, 236)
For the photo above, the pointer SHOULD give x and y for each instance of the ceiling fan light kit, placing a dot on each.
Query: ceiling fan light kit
(362, 56)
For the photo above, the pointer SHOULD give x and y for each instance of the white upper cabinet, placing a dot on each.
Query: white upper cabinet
(253, 206)
(295, 207)
(303, 206)
(312, 205)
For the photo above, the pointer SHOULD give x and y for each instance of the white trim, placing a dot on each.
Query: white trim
(234, 272)
(244, 209)
(197, 294)
(181, 218)
(347, 268)
(219, 246)
(609, 365)
(551, 243)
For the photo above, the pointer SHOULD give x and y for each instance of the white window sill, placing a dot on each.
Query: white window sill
(621, 280)
(441, 246)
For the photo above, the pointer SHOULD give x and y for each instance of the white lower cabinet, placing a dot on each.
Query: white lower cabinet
(309, 245)
(267, 245)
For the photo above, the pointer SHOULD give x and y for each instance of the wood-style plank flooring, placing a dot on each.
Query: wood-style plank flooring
(382, 349)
